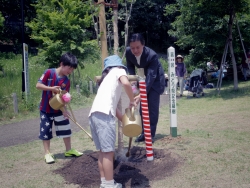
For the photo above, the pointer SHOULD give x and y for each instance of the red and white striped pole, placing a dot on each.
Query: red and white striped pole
(146, 120)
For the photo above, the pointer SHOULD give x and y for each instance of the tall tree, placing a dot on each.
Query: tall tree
(203, 27)
(115, 25)
(62, 26)
(12, 28)
(103, 30)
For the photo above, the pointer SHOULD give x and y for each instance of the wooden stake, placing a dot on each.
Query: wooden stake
(103, 32)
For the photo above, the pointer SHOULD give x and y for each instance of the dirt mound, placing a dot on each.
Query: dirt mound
(134, 171)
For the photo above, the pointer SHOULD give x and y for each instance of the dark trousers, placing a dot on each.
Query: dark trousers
(153, 110)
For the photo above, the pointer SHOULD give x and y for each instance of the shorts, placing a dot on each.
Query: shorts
(103, 130)
(62, 125)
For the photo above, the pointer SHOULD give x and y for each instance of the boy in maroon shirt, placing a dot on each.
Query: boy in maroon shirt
(50, 83)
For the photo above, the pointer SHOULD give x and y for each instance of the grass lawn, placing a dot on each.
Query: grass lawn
(214, 146)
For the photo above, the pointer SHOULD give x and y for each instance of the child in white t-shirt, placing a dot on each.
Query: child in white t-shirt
(103, 112)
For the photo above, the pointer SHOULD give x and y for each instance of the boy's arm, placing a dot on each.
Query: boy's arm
(43, 87)
(54, 89)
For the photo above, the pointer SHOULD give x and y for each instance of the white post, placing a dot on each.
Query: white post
(172, 94)
(15, 105)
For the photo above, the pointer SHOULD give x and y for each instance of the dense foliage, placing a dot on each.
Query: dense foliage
(12, 12)
(197, 29)
(201, 27)
(62, 26)
(1, 20)
(148, 18)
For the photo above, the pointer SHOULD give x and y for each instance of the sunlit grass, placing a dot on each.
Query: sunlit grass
(11, 82)
(213, 148)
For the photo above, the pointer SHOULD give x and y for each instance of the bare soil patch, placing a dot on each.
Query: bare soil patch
(135, 171)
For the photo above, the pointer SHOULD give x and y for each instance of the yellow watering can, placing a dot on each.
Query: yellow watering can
(131, 123)
(57, 103)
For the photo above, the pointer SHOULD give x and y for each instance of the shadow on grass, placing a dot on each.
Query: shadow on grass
(160, 136)
(227, 91)
(134, 179)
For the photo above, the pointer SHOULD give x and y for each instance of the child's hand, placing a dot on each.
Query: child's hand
(131, 104)
(66, 114)
(135, 88)
(55, 89)
(137, 99)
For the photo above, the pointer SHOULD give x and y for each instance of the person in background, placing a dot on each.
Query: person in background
(186, 84)
(140, 56)
(180, 72)
(210, 65)
(103, 112)
(50, 83)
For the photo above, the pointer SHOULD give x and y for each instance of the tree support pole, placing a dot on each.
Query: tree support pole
(223, 60)
(103, 32)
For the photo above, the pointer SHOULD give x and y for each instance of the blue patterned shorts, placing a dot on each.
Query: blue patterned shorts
(62, 125)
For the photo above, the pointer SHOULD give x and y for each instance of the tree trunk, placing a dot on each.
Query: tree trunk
(103, 32)
(126, 28)
(230, 25)
(126, 25)
(115, 26)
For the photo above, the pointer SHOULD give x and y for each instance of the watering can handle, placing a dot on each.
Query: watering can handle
(71, 112)
(133, 112)
(74, 120)
(60, 92)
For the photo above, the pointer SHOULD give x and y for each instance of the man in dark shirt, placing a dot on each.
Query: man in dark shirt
(140, 56)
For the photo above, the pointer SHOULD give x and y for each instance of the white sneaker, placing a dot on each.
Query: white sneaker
(49, 158)
(116, 185)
